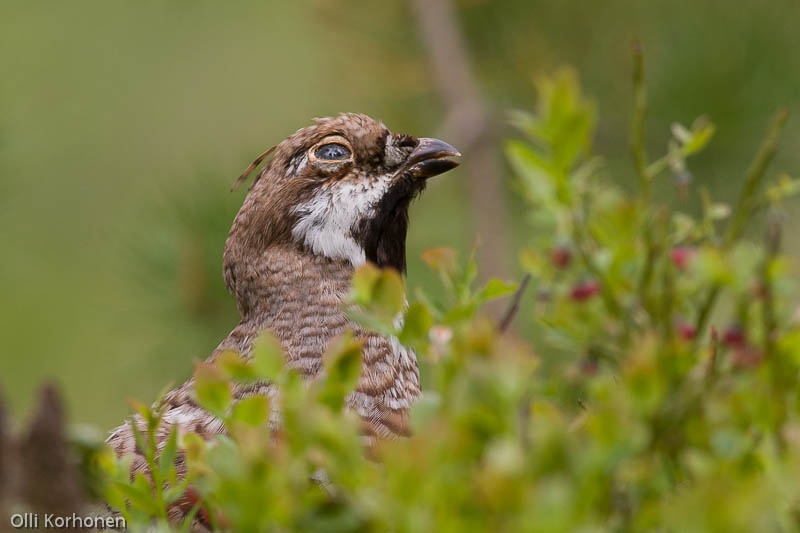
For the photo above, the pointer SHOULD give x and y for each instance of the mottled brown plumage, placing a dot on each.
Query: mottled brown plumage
(334, 195)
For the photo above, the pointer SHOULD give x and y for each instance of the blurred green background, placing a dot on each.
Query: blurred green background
(123, 125)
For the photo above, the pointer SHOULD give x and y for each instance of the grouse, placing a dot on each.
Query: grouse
(333, 196)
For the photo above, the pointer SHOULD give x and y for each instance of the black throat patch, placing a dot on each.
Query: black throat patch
(383, 237)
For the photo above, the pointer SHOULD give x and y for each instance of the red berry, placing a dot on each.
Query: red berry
(561, 257)
(733, 337)
(584, 290)
(685, 330)
(681, 256)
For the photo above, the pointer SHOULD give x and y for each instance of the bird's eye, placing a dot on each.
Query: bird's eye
(332, 152)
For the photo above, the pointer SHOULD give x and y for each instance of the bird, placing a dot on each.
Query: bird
(334, 196)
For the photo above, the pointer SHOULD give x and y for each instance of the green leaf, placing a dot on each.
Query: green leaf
(268, 359)
(381, 295)
(252, 411)
(176, 491)
(212, 389)
(470, 273)
(782, 188)
(138, 438)
(370, 321)
(139, 494)
(524, 121)
(694, 140)
(702, 132)
(166, 463)
(118, 473)
(342, 363)
(567, 120)
(712, 267)
(363, 285)
(194, 446)
(496, 288)
(139, 407)
(418, 321)
(681, 133)
(683, 227)
(388, 296)
(535, 173)
(234, 366)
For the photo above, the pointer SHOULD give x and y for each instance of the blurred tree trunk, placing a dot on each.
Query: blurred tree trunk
(470, 126)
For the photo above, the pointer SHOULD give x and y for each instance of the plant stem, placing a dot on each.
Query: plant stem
(668, 307)
(642, 170)
(514, 308)
(649, 265)
(582, 239)
(754, 177)
(773, 243)
(711, 365)
(705, 311)
(777, 368)
(746, 204)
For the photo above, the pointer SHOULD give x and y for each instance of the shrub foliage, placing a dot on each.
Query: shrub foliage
(665, 396)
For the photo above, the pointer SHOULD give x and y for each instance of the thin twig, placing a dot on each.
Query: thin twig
(773, 245)
(753, 179)
(650, 257)
(711, 365)
(705, 310)
(668, 305)
(514, 307)
(777, 367)
(582, 238)
(746, 204)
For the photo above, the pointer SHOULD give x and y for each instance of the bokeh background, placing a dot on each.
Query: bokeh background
(123, 125)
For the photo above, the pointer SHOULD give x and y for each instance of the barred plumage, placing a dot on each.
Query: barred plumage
(305, 224)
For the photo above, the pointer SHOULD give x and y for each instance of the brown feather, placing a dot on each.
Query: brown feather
(282, 284)
(252, 166)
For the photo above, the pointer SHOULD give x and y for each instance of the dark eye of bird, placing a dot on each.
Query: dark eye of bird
(332, 152)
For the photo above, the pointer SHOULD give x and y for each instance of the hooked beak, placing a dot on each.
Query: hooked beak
(431, 158)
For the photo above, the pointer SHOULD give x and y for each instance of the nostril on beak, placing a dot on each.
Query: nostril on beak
(431, 149)
(431, 157)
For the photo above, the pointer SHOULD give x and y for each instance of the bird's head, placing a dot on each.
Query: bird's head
(340, 188)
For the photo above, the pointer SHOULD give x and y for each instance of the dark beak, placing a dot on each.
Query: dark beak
(431, 158)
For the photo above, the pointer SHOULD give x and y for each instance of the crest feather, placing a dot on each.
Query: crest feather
(241, 179)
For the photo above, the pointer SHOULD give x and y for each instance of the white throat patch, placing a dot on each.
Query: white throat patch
(325, 222)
